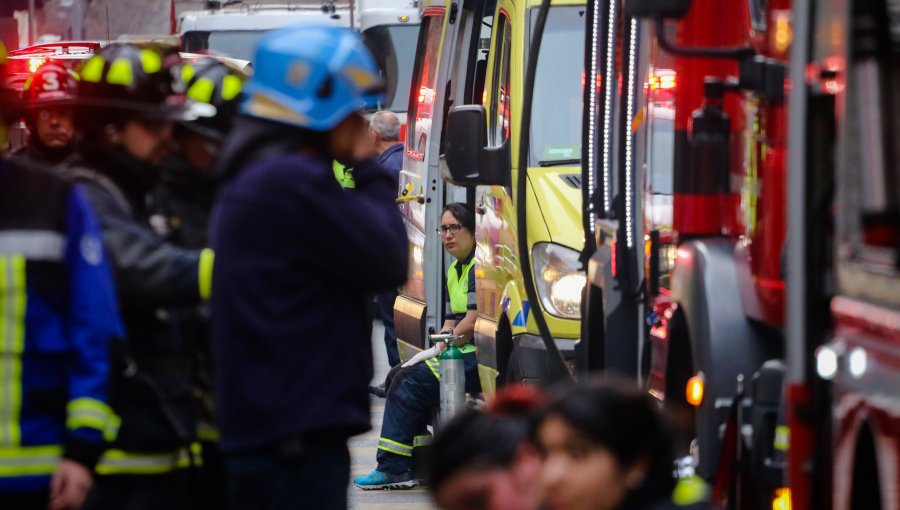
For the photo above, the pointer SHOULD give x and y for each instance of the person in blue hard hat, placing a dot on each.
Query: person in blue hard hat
(298, 259)
(59, 323)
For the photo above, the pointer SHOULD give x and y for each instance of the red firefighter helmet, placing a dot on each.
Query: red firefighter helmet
(52, 84)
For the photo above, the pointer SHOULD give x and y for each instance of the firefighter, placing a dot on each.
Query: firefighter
(414, 390)
(297, 260)
(182, 204)
(48, 97)
(58, 322)
(127, 101)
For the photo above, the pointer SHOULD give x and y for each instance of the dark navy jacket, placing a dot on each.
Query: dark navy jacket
(392, 158)
(297, 258)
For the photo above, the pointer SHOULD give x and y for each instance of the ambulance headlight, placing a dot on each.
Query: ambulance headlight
(559, 279)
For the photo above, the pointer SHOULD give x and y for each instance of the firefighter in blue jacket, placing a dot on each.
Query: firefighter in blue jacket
(297, 259)
(58, 319)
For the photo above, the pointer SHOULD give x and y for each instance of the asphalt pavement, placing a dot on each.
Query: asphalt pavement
(363, 447)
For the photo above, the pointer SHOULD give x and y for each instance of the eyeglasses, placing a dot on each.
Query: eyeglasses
(452, 228)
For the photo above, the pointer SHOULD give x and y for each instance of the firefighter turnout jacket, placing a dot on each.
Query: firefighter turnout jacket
(152, 386)
(58, 319)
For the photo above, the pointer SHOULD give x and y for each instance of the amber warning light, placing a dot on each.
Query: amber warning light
(694, 390)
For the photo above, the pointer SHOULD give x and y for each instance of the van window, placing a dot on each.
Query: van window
(421, 102)
(394, 49)
(558, 95)
(499, 110)
(233, 43)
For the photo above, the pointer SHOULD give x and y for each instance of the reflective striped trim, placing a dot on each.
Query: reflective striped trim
(118, 462)
(12, 344)
(204, 278)
(782, 437)
(34, 244)
(432, 365)
(29, 460)
(395, 447)
(207, 432)
(92, 413)
(420, 441)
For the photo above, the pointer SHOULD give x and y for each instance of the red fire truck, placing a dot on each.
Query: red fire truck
(690, 206)
(843, 320)
(690, 196)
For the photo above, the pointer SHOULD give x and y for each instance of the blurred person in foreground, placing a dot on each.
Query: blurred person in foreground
(487, 460)
(59, 322)
(181, 205)
(606, 446)
(128, 100)
(47, 99)
(297, 261)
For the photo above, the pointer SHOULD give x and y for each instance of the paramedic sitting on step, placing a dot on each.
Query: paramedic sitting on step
(415, 390)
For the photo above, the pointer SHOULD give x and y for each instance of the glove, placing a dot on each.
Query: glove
(422, 356)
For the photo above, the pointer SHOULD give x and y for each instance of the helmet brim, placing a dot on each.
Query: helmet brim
(49, 103)
(202, 130)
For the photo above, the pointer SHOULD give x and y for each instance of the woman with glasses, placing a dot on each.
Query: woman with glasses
(414, 390)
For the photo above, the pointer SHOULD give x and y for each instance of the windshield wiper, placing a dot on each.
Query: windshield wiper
(560, 162)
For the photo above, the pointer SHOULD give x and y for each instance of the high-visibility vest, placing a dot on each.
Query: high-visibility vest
(458, 290)
(343, 174)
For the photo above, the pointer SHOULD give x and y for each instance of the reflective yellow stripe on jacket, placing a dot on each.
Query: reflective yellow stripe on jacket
(118, 462)
(91, 413)
(29, 460)
(12, 344)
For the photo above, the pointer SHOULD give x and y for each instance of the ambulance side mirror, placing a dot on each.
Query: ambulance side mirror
(657, 9)
(470, 161)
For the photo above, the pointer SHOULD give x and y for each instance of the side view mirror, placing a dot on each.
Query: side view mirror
(469, 159)
(657, 9)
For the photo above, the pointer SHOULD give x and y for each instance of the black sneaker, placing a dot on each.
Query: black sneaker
(378, 391)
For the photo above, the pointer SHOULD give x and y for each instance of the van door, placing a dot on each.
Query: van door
(451, 47)
(412, 314)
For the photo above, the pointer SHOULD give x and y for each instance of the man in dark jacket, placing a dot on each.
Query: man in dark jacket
(297, 261)
(384, 127)
(126, 107)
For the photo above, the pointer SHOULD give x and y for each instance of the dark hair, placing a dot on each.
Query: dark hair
(463, 213)
(483, 440)
(619, 417)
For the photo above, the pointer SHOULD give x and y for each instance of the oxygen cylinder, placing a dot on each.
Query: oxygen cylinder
(453, 382)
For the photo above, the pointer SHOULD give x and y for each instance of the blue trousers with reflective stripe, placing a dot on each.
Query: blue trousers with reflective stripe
(412, 399)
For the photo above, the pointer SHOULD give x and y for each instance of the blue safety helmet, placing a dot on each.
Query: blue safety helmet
(311, 77)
